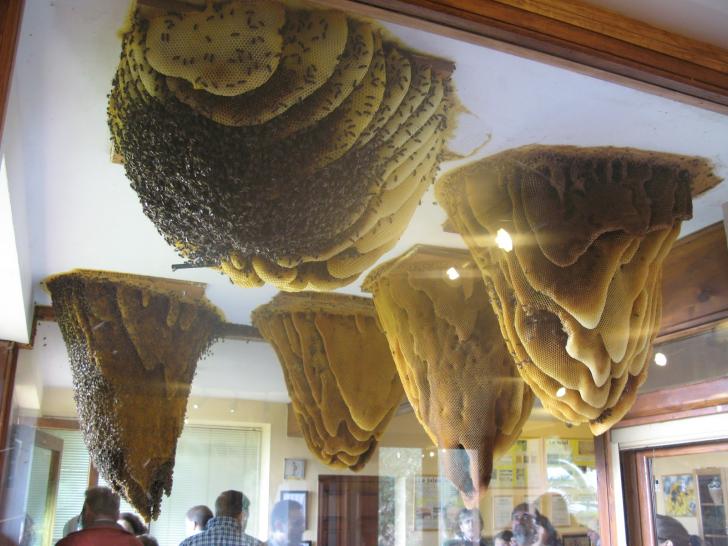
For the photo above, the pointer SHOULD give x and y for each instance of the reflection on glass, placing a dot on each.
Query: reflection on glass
(542, 491)
(690, 494)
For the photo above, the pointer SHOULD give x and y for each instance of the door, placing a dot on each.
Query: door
(354, 510)
(678, 494)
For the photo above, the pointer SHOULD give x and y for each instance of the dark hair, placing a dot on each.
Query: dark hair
(102, 501)
(553, 535)
(137, 525)
(467, 513)
(282, 509)
(148, 540)
(504, 535)
(231, 504)
(668, 528)
(199, 515)
(523, 507)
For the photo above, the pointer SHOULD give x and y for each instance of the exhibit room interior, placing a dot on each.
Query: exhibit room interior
(423, 272)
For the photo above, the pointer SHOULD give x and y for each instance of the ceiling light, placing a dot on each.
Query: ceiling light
(561, 392)
(195, 406)
(453, 274)
(503, 240)
(660, 359)
(432, 453)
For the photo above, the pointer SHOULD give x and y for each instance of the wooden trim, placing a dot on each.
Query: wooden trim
(614, 47)
(8, 366)
(228, 330)
(57, 423)
(644, 495)
(605, 489)
(630, 489)
(11, 14)
(672, 403)
(691, 449)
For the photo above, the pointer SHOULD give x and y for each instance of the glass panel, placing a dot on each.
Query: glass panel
(689, 359)
(690, 494)
(38, 490)
(73, 479)
(204, 171)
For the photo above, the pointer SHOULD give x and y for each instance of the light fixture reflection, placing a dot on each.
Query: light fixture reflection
(503, 240)
(561, 392)
(453, 274)
(660, 359)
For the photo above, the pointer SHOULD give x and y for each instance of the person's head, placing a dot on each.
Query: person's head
(523, 525)
(148, 540)
(132, 523)
(287, 522)
(503, 538)
(470, 523)
(545, 530)
(101, 504)
(196, 519)
(233, 504)
(670, 532)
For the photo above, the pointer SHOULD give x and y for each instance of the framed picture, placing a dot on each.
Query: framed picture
(301, 497)
(679, 495)
(577, 540)
(294, 469)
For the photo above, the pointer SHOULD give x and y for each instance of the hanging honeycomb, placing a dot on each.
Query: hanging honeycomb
(133, 350)
(340, 376)
(281, 144)
(454, 365)
(578, 297)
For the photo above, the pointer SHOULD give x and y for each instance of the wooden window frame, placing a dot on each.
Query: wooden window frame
(639, 501)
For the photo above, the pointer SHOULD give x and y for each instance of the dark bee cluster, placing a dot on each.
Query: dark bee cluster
(132, 366)
(280, 167)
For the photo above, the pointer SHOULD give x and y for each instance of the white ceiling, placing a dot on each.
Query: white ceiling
(83, 213)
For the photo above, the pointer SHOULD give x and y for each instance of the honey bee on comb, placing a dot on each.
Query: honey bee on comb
(267, 139)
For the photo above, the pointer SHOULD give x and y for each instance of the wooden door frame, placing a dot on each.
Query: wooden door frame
(639, 504)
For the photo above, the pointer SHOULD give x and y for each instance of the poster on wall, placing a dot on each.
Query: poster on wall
(502, 510)
(679, 492)
(436, 504)
(519, 465)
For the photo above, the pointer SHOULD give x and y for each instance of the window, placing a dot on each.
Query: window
(209, 461)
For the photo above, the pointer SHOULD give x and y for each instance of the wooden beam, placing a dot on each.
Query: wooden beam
(572, 33)
(228, 330)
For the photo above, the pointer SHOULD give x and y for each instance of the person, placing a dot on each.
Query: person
(72, 525)
(148, 540)
(196, 518)
(503, 538)
(132, 524)
(531, 528)
(99, 516)
(227, 528)
(470, 524)
(287, 524)
(670, 532)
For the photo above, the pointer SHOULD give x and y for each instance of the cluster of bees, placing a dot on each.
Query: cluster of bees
(284, 146)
